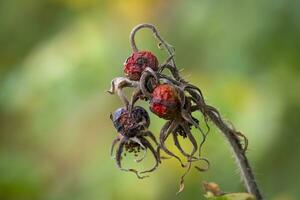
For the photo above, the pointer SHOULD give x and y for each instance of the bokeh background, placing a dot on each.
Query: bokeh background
(57, 58)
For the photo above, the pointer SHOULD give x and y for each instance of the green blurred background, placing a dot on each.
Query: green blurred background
(57, 58)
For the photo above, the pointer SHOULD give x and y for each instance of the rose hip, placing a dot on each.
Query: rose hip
(138, 62)
(130, 124)
(165, 101)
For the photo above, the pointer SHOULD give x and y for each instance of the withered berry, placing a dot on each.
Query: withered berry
(138, 62)
(130, 124)
(132, 136)
(165, 101)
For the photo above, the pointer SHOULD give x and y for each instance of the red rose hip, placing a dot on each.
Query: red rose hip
(165, 101)
(138, 62)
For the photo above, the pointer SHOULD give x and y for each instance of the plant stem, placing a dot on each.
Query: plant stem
(242, 161)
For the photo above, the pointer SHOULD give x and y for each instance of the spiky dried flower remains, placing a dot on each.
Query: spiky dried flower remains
(173, 99)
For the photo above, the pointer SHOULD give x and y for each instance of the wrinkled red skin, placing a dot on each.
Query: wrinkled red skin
(137, 63)
(165, 102)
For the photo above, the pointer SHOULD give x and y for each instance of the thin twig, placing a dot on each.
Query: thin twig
(169, 48)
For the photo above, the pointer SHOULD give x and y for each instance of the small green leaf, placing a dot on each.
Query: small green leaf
(231, 196)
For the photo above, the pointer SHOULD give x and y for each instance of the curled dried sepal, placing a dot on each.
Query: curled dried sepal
(117, 85)
(182, 178)
(181, 183)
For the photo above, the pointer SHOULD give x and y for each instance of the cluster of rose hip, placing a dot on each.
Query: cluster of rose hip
(173, 99)
(170, 98)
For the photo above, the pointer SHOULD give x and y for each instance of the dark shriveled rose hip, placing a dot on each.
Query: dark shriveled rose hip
(130, 124)
(138, 62)
(132, 137)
